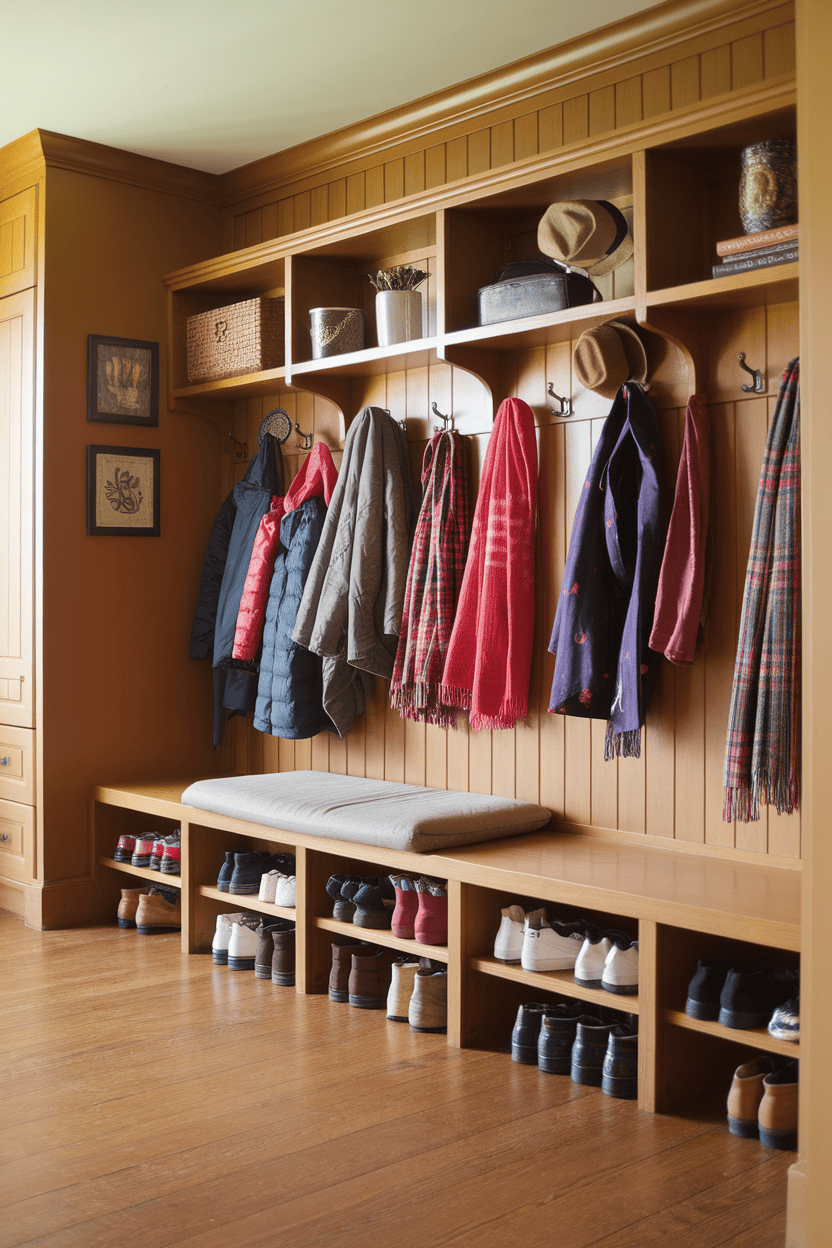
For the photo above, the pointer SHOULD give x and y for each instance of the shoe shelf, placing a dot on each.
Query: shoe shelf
(383, 936)
(252, 904)
(757, 1037)
(143, 873)
(561, 982)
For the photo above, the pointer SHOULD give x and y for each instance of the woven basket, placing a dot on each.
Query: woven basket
(240, 338)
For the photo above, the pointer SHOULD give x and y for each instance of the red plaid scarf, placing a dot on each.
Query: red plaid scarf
(437, 563)
(762, 756)
(490, 652)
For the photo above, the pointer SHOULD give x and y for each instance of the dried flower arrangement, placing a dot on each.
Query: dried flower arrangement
(402, 277)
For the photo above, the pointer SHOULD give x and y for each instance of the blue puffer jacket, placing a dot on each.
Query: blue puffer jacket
(290, 690)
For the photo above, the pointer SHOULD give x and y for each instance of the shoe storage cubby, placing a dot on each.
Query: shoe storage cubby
(113, 876)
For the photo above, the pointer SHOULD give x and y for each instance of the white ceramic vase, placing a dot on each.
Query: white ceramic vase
(398, 316)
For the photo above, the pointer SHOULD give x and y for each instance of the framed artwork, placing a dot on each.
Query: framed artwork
(122, 491)
(123, 385)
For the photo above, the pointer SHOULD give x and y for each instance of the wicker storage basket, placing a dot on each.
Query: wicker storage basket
(240, 338)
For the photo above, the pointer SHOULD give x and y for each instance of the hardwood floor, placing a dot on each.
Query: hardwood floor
(150, 1099)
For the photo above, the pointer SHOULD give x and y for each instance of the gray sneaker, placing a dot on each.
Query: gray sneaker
(785, 1021)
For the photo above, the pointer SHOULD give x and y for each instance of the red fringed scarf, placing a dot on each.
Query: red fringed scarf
(437, 564)
(490, 652)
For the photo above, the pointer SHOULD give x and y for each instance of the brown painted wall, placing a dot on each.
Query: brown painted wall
(119, 696)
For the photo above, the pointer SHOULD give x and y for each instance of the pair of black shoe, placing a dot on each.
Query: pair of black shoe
(365, 900)
(242, 870)
(737, 997)
(563, 1039)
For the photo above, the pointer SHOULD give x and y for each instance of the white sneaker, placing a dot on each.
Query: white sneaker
(550, 946)
(620, 972)
(590, 965)
(268, 883)
(219, 945)
(508, 943)
(242, 944)
(286, 891)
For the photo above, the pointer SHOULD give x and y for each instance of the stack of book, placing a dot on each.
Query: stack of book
(756, 251)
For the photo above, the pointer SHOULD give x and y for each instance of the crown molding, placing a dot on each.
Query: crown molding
(20, 160)
(62, 151)
(647, 32)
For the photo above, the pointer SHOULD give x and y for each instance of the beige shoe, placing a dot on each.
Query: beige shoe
(428, 1009)
(129, 904)
(746, 1094)
(159, 911)
(777, 1115)
(401, 988)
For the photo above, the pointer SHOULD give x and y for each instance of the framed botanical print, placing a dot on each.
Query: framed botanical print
(123, 381)
(122, 491)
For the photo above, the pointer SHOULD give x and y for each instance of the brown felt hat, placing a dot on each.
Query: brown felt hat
(591, 234)
(607, 356)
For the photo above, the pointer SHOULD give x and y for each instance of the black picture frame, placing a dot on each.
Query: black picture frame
(122, 381)
(123, 486)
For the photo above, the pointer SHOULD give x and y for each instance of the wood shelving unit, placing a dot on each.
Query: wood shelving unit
(142, 873)
(758, 1037)
(561, 982)
(382, 936)
(246, 903)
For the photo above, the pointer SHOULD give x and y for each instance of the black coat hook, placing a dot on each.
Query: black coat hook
(565, 404)
(758, 386)
(305, 439)
(242, 447)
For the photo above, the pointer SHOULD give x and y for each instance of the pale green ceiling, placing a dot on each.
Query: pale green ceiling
(215, 84)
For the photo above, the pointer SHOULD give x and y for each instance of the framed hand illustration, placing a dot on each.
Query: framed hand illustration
(123, 385)
(122, 491)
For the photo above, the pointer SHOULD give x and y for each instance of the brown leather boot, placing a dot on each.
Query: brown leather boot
(370, 978)
(156, 913)
(265, 945)
(777, 1115)
(283, 955)
(129, 904)
(746, 1094)
(339, 976)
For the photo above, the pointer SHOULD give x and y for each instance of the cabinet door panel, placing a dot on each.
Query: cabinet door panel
(16, 509)
(18, 224)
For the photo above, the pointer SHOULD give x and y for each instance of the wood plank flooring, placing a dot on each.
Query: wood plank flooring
(152, 1100)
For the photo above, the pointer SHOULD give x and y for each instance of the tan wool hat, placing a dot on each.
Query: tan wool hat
(607, 356)
(591, 234)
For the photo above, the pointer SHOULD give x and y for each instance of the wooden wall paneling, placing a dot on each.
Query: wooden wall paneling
(268, 222)
(525, 136)
(356, 193)
(779, 50)
(628, 107)
(553, 545)
(604, 774)
(655, 92)
(285, 216)
(319, 204)
(458, 777)
(684, 82)
(303, 211)
(479, 152)
(254, 227)
(550, 127)
(722, 622)
(602, 110)
(502, 144)
(393, 180)
(746, 61)
(435, 170)
(285, 754)
(575, 119)
(238, 232)
(456, 159)
(577, 732)
(337, 199)
(414, 173)
(715, 71)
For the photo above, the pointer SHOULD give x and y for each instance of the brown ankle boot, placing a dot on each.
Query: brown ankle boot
(341, 966)
(283, 955)
(156, 913)
(129, 904)
(746, 1094)
(777, 1115)
(370, 978)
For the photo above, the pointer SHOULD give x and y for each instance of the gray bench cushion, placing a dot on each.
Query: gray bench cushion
(370, 812)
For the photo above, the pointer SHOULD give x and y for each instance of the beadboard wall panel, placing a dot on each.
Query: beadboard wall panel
(673, 793)
(746, 53)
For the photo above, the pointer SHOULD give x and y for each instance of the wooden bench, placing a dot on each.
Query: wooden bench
(681, 906)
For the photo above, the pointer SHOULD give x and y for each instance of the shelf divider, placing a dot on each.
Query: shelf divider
(439, 953)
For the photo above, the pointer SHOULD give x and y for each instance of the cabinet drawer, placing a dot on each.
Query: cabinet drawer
(17, 841)
(17, 764)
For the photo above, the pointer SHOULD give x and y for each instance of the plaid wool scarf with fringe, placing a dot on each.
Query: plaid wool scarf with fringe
(762, 755)
(434, 579)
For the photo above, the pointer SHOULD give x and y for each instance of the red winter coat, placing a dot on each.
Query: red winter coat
(317, 476)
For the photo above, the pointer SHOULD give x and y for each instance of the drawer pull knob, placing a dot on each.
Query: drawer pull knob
(4, 762)
(5, 836)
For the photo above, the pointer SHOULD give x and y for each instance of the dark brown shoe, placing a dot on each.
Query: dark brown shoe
(265, 945)
(283, 954)
(341, 966)
(370, 978)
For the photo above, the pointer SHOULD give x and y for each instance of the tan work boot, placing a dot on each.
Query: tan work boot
(746, 1094)
(777, 1116)
(428, 1009)
(128, 905)
(158, 912)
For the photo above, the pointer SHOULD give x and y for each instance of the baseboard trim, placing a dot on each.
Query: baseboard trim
(796, 1206)
(58, 904)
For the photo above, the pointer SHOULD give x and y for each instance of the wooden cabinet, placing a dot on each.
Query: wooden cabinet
(18, 232)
